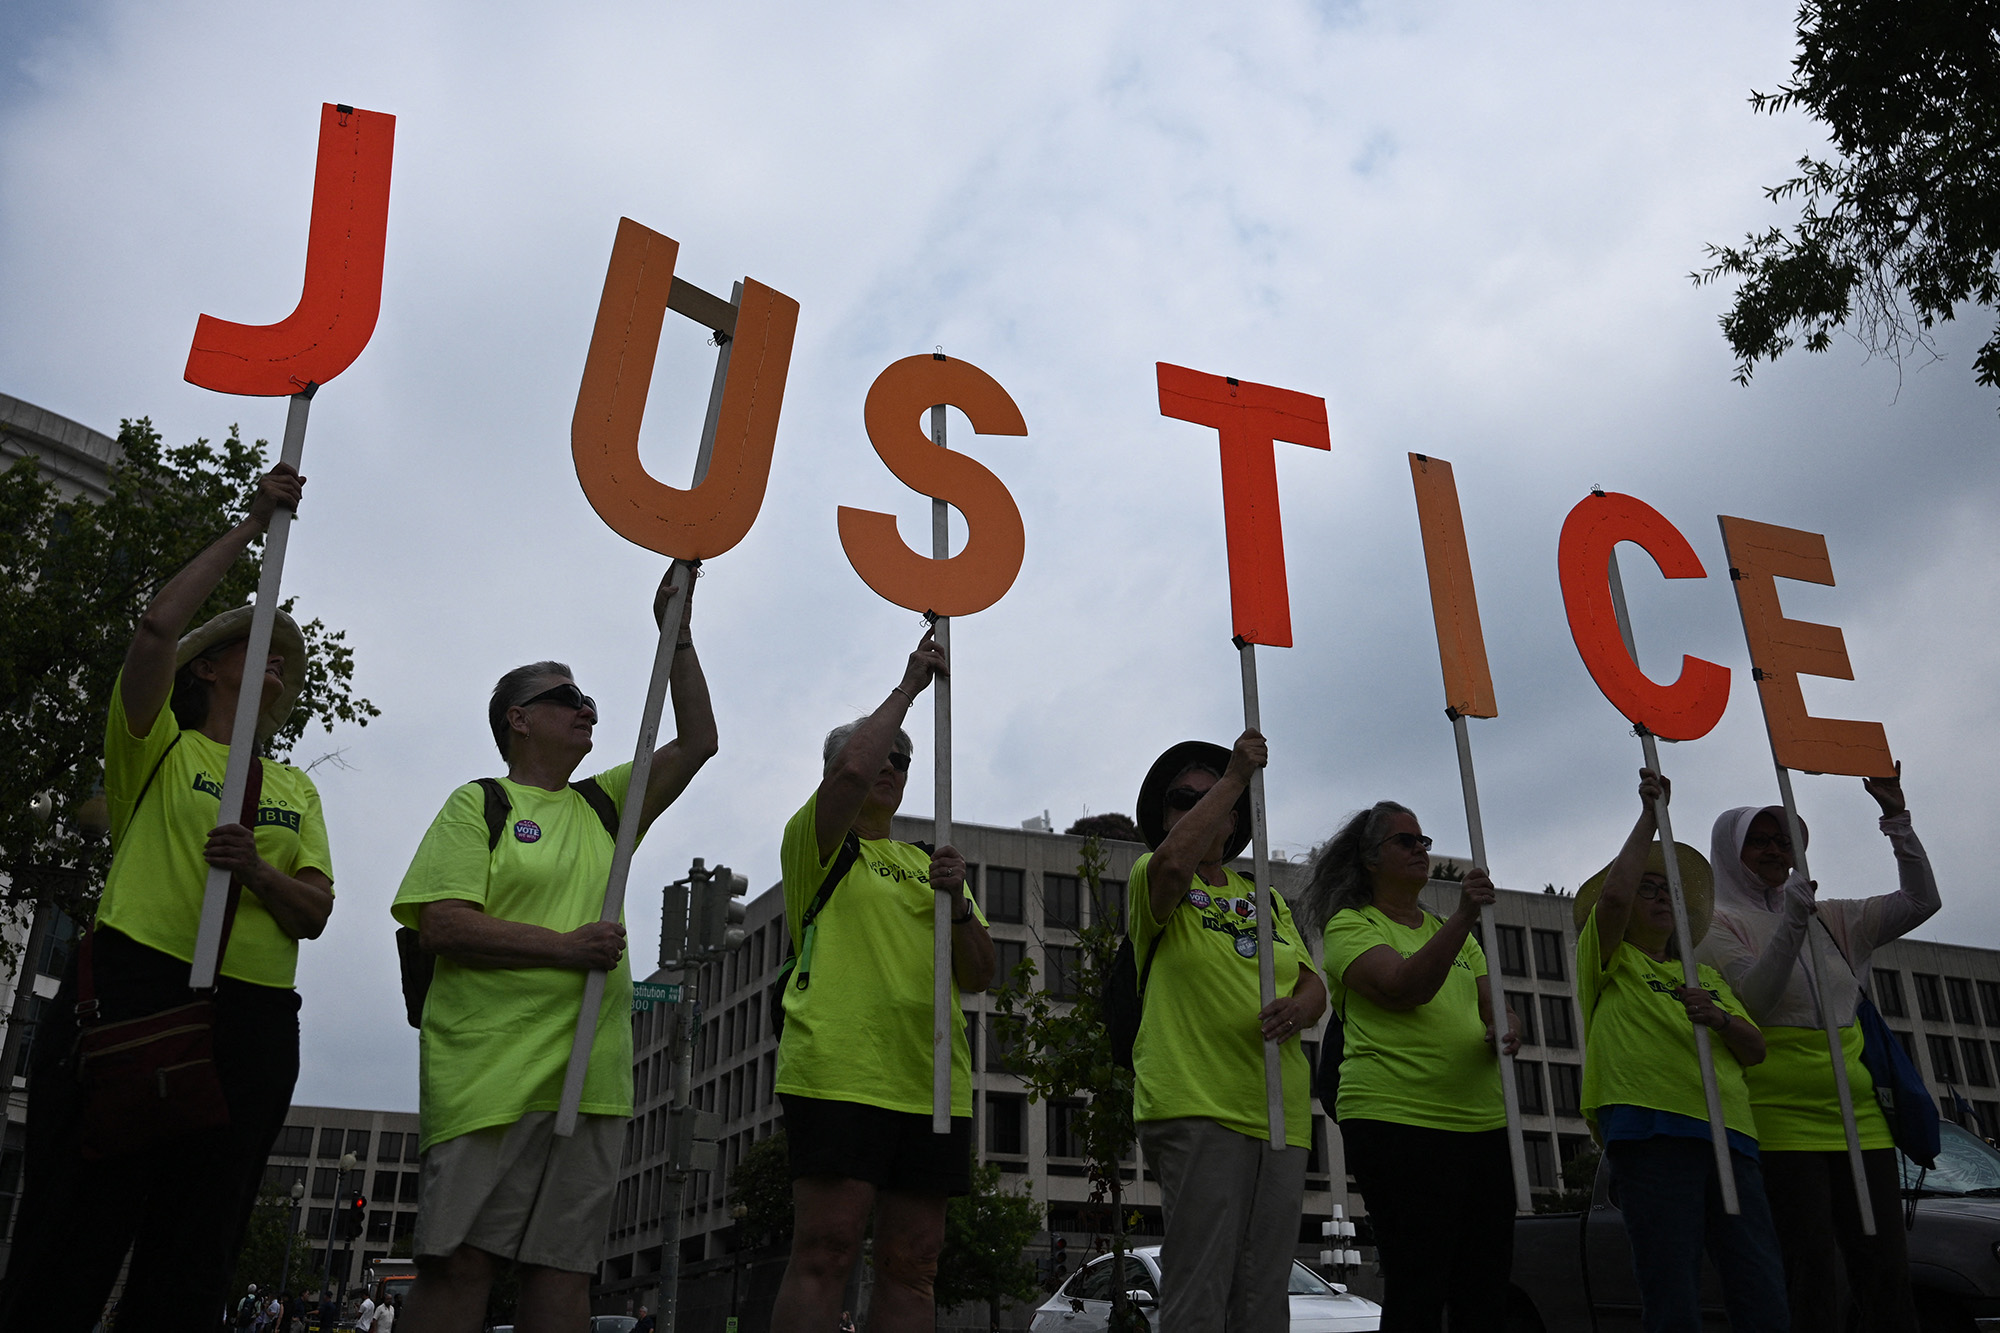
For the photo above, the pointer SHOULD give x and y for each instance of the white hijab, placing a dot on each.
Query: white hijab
(1751, 920)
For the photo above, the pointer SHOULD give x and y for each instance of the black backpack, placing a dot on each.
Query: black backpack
(774, 1002)
(1122, 1000)
(418, 966)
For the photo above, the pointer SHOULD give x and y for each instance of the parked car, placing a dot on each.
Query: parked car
(613, 1323)
(1083, 1304)
(1574, 1270)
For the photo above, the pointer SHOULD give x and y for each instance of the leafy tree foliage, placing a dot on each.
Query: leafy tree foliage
(262, 1258)
(762, 1183)
(74, 578)
(1109, 825)
(986, 1235)
(1062, 1051)
(1901, 226)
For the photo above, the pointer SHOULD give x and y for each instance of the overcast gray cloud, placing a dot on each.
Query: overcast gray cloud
(1467, 226)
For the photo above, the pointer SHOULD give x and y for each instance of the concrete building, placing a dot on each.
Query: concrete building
(78, 459)
(308, 1152)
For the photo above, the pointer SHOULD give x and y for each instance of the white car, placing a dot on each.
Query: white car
(1083, 1304)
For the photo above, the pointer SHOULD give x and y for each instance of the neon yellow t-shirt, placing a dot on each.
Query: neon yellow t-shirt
(861, 1030)
(158, 872)
(1794, 1098)
(1200, 1050)
(495, 1041)
(1638, 1042)
(1429, 1066)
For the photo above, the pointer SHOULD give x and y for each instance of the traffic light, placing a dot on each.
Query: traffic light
(351, 1217)
(718, 915)
(1060, 1260)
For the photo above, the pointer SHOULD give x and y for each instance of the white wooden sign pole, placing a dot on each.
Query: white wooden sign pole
(249, 703)
(1260, 854)
(942, 906)
(1684, 937)
(1489, 940)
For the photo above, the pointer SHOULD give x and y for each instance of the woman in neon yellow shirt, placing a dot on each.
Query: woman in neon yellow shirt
(1642, 1088)
(1763, 909)
(1419, 1104)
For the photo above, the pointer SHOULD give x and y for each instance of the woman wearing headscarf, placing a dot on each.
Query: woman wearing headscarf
(1231, 1204)
(1419, 1106)
(180, 1206)
(1642, 1087)
(1764, 910)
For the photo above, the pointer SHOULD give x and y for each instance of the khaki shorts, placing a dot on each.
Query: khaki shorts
(522, 1192)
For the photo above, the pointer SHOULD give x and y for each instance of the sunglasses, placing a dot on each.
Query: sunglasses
(569, 696)
(1184, 798)
(1763, 841)
(1653, 888)
(899, 761)
(1409, 842)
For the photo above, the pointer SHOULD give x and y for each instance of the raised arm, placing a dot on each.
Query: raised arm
(845, 787)
(148, 681)
(1893, 915)
(1194, 834)
(1621, 885)
(694, 742)
(1394, 982)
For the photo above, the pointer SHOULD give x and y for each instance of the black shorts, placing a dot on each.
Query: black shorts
(891, 1150)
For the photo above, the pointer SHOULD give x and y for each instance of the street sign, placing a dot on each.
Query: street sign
(646, 994)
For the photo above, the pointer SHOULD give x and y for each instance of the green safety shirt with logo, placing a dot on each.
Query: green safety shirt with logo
(1638, 1042)
(158, 872)
(1200, 1049)
(1431, 1066)
(861, 1029)
(496, 1040)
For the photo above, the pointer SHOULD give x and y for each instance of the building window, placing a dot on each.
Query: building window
(410, 1153)
(1063, 1140)
(1566, 1088)
(406, 1225)
(1523, 1005)
(278, 1180)
(1006, 1124)
(329, 1145)
(1989, 1002)
(1006, 895)
(1110, 909)
(1064, 961)
(1007, 955)
(1528, 1085)
(390, 1149)
(1549, 955)
(1930, 997)
(318, 1221)
(1513, 951)
(1959, 991)
(385, 1186)
(57, 945)
(1989, 1118)
(294, 1141)
(1568, 1148)
(1909, 1040)
(408, 1192)
(326, 1182)
(1976, 1072)
(379, 1222)
(357, 1143)
(1944, 1060)
(1541, 1161)
(1558, 1022)
(1062, 901)
(1888, 995)
(997, 1050)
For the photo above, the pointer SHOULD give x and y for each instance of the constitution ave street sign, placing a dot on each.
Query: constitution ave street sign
(646, 994)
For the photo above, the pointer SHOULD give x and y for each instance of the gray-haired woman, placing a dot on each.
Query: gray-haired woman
(1419, 1106)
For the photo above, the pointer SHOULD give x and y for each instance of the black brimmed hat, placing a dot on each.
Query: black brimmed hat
(1177, 760)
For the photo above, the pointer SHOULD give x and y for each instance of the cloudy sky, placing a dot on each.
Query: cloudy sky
(1468, 227)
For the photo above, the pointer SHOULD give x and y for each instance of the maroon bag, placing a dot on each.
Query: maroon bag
(150, 1079)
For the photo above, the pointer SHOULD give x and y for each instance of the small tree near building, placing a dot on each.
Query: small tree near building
(986, 1236)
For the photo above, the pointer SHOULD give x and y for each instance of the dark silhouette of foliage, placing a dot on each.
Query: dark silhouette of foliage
(1117, 827)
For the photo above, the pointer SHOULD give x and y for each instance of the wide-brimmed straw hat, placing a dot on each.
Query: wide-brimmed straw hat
(1176, 760)
(1697, 886)
(234, 624)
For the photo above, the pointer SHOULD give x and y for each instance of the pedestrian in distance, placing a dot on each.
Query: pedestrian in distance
(101, 1178)
(1231, 1204)
(1419, 1102)
(1642, 1087)
(506, 890)
(647, 1323)
(855, 1060)
(1764, 910)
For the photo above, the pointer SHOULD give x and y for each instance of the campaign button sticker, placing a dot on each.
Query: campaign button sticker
(1243, 907)
(527, 830)
(1198, 898)
(1247, 945)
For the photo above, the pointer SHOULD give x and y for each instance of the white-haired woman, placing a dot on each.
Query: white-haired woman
(180, 1206)
(854, 1064)
(1419, 1107)
(1764, 910)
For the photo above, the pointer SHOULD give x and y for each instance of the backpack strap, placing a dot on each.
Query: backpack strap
(850, 852)
(498, 807)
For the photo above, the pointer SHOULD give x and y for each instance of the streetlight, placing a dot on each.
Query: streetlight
(739, 1212)
(291, 1230)
(347, 1160)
